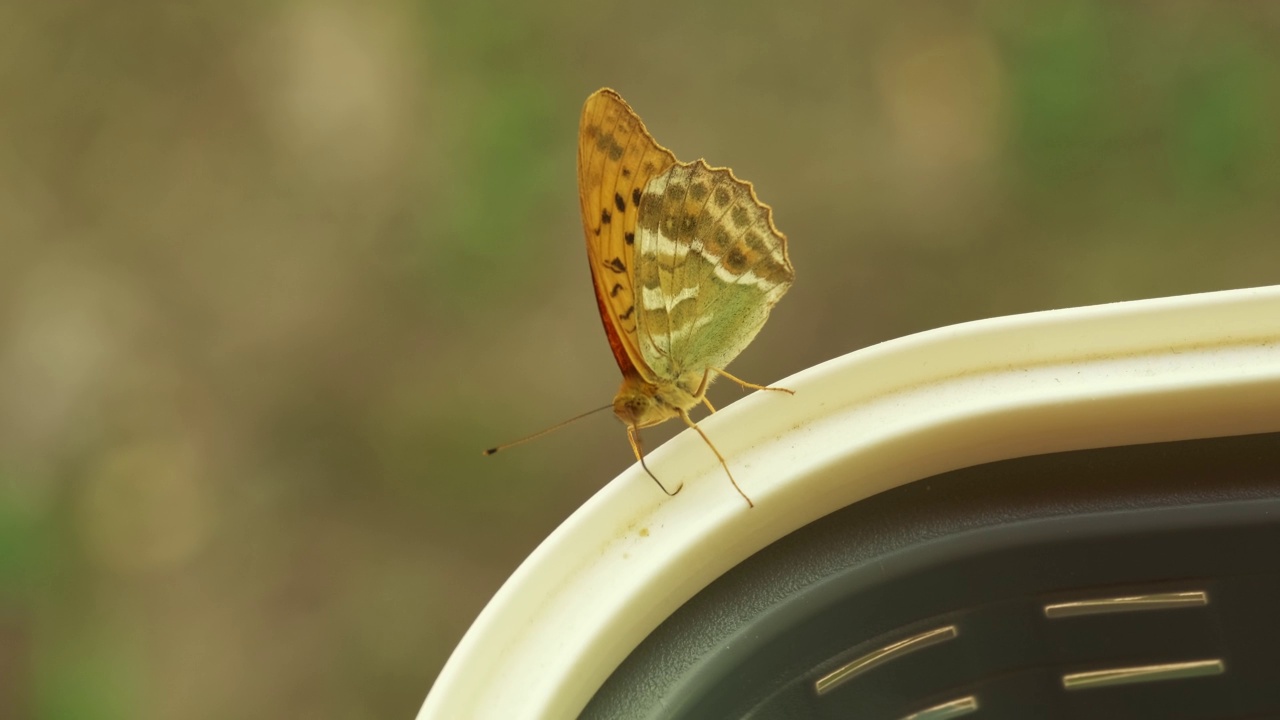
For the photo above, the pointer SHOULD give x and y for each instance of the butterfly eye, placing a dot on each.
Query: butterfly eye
(632, 407)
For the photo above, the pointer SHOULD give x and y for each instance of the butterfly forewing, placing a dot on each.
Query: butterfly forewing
(709, 266)
(617, 158)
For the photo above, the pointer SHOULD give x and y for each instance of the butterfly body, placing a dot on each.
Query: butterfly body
(685, 261)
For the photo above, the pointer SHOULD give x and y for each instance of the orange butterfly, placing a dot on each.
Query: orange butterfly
(686, 265)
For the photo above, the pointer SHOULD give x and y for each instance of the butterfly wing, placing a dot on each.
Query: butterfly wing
(617, 158)
(709, 267)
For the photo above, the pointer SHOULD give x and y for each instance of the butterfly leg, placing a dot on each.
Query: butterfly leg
(633, 436)
(701, 393)
(752, 386)
(684, 415)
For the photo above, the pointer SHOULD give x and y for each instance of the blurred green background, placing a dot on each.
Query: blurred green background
(273, 274)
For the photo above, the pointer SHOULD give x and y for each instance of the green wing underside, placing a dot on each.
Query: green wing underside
(709, 267)
(701, 333)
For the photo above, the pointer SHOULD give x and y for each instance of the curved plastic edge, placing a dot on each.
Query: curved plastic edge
(1177, 368)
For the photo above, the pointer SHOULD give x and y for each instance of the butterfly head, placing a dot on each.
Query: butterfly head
(641, 404)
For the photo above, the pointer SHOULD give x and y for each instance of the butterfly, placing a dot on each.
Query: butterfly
(686, 265)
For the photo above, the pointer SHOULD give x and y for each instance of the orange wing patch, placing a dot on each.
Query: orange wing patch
(617, 157)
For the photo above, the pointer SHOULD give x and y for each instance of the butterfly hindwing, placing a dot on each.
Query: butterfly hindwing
(617, 158)
(709, 266)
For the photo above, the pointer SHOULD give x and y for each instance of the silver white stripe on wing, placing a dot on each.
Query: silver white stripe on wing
(657, 299)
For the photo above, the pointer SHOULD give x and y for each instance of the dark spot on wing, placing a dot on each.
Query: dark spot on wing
(617, 288)
(719, 241)
(698, 191)
(619, 203)
(627, 315)
(721, 196)
(605, 217)
(630, 238)
(615, 150)
(668, 226)
(616, 265)
(736, 261)
(635, 196)
(772, 272)
(626, 172)
(676, 192)
(650, 214)
(740, 216)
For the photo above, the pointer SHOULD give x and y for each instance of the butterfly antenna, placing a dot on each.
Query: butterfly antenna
(540, 433)
(633, 435)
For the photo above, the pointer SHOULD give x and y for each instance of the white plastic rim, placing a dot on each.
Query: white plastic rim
(1158, 370)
